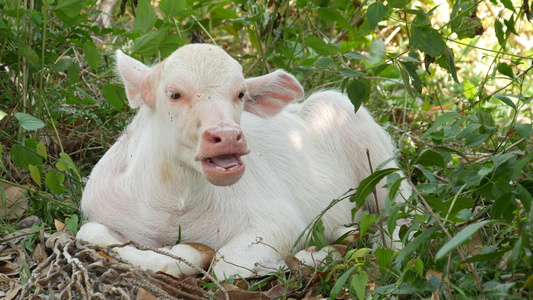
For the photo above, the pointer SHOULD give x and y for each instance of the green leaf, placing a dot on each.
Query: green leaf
(354, 254)
(502, 205)
(74, 73)
(41, 150)
(325, 63)
(439, 121)
(92, 56)
(350, 73)
(23, 156)
(29, 122)
(475, 139)
(506, 70)
(170, 44)
(365, 222)
(54, 180)
(375, 13)
(505, 100)
(421, 19)
(148, 43)
(406, 81)
(467, 27)
(115, 95)
(334, 15)
(524, 130)
(525, 196)
(398, 3)
(384, 257)
(415, 79)
(512, 259)
(29, 54)
(510, 24)
(508, 4)
(145, 17)
(355, 55)
(2, 114)
(65, 163)
(392, 218)
(451, 63)
(359, 282)
(5, 32)
(430, 158)
(427, 40)
(72, 224)
(339, 284)
(35, 174)
(413, 245)
(172, 8)
(419, 267)
(521, 164)
(368, 184)
(498, 28)
(61, 65)
(318, 237)
(461, 237)
(501, 159)
(69, 8)
(320, 46)
(358, 92)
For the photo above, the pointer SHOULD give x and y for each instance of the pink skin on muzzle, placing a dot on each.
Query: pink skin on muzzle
(221, 148)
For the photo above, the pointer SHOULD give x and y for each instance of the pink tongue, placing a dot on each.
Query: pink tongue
(225, 161)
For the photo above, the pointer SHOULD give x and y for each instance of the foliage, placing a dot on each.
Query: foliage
(451, 82)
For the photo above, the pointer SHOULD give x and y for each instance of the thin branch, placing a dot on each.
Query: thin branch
(430, 211)
(375, 193)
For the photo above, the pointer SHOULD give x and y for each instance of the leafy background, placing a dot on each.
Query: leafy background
(450, 80)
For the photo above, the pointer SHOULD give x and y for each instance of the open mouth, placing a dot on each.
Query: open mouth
(224, 163)
(223, 170)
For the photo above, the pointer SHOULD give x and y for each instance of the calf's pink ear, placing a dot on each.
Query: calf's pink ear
(137, 80)
(270, 93)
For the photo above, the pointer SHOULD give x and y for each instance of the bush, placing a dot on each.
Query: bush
(451, 82)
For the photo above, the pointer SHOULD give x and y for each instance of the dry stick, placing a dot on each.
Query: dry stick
(3, 240)
(163, 283)
(430, 211)
(136, 245)
(376, 197)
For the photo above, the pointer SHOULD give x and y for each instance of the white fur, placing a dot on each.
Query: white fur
(148, 184)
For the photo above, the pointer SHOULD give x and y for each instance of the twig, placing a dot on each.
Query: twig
(376, 197)
(430, 211)
(207, 275)
(3, 240)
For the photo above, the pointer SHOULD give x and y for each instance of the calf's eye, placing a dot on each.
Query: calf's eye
(174, 96)
(241, 95)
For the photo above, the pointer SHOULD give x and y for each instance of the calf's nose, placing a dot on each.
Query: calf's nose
(225, 136)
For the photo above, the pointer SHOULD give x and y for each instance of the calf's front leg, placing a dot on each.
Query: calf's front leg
(101, 235)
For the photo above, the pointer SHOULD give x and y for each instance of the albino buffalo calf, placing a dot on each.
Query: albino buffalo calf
(217, 159)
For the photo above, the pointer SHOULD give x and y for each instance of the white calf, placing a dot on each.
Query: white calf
(180, 165)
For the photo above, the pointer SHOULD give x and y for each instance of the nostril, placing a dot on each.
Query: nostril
(239, 137)
(215, 139)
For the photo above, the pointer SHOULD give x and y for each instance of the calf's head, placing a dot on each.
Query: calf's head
(196, 97)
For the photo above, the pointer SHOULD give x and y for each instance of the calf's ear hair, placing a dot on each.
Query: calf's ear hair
(136, 77)
(270, 93)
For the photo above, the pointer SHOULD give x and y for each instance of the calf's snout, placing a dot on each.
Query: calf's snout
(224, 138)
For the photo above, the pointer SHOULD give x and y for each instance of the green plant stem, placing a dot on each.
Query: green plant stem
(205, 30)
(495, 92)
(430, 211)
(453, 201)
(54, 127)
(43, 52)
